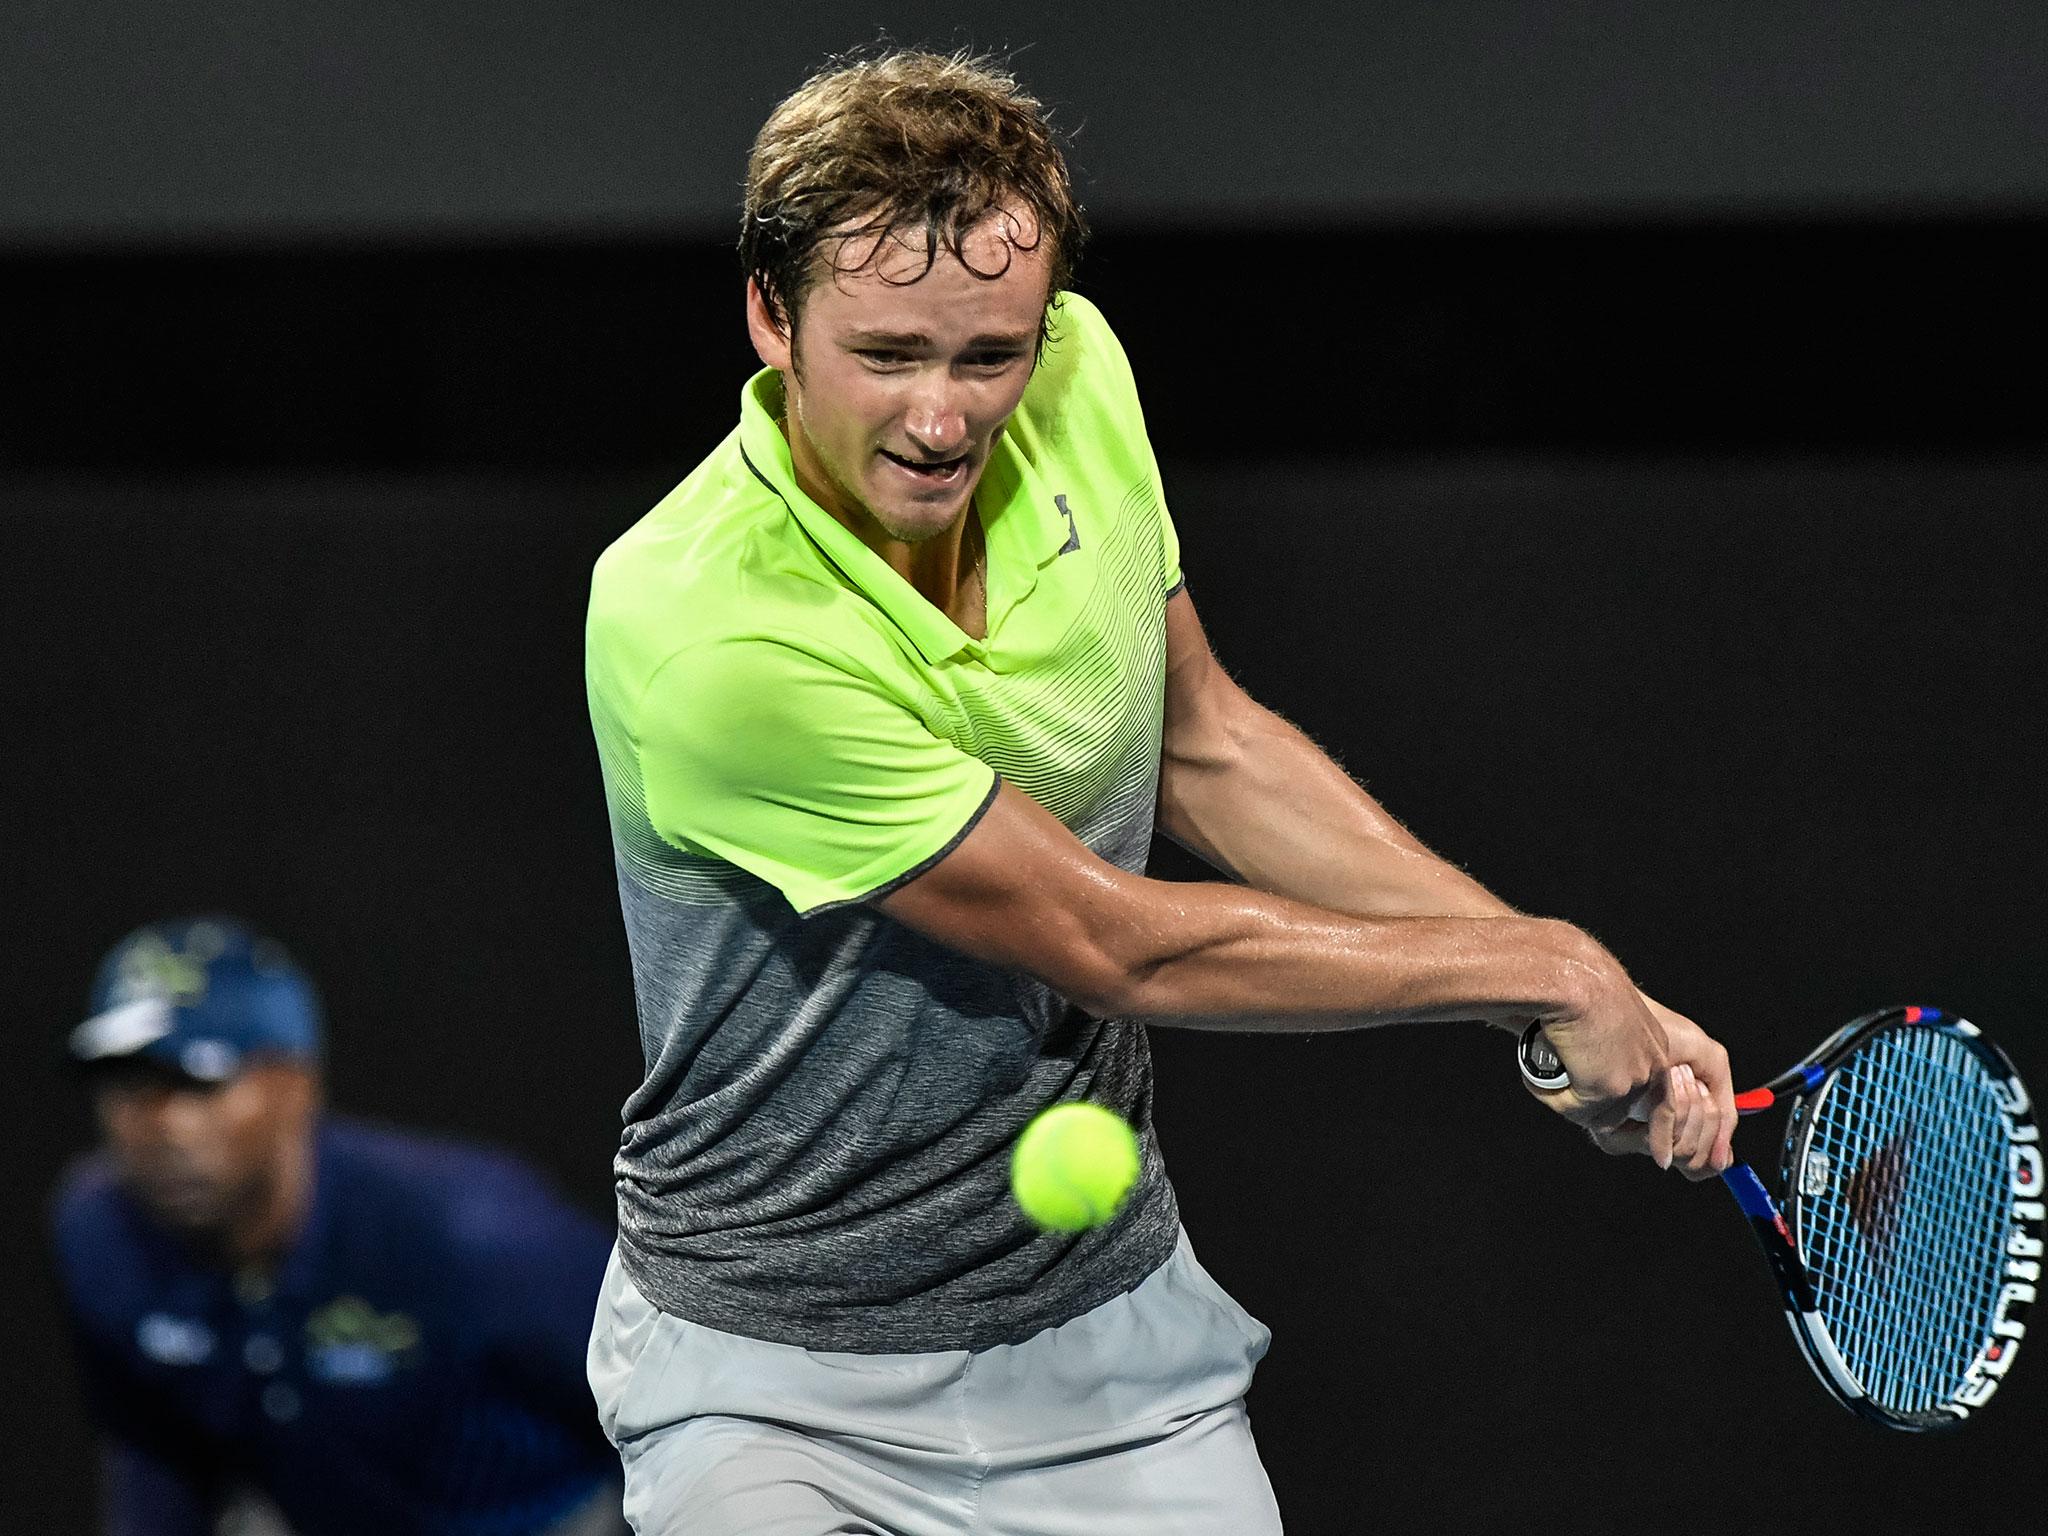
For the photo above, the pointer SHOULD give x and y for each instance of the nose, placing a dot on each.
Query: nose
(156, 1120)
(186, 1121)
(933, 420)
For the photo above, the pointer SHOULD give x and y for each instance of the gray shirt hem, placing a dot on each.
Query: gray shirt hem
(1098, 1268)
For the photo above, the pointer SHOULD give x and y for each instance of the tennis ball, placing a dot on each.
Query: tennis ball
(1073, 1166)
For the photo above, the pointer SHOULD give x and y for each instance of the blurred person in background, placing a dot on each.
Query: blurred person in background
(288, 1321)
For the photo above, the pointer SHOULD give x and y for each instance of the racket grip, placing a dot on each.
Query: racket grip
(1544, 1070)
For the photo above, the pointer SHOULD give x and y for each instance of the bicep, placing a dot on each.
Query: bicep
(1022, 892)
(1196, 683)
(1208, 725)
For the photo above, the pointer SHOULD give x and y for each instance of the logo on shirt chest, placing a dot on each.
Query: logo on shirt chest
(350, 1343)
(1073, 529)
(175, 1340)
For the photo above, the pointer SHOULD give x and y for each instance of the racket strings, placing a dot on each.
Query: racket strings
(1922, 1301)
(1910, 1293)
(1905, 1238)
(1865, 1286)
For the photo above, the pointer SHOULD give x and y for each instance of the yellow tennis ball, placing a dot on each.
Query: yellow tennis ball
(1073, 1166)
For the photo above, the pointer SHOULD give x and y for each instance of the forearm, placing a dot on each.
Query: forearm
(1021, 891)
(1254, 796)
(1222, 957)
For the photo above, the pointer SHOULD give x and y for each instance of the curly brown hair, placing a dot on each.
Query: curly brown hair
(878, 146)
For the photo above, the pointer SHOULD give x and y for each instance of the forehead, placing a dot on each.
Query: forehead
(138, 1082)
(895, 283)
(257, 1089)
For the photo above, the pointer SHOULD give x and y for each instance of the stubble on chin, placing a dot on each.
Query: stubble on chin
(892, 526)
(851, 500)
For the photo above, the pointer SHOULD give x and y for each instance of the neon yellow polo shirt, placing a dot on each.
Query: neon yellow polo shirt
(788, 729)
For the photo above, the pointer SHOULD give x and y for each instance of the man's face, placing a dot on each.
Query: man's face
(897, 384)
(202, 1157)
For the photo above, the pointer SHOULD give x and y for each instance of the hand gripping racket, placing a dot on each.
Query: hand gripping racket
(1910, 1246)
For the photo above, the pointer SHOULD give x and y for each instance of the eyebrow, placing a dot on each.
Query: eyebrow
(910, 340)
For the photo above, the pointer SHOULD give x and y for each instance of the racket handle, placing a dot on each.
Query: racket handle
(1542, 1068)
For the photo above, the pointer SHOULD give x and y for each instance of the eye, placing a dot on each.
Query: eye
(992, 362)
(882, 359)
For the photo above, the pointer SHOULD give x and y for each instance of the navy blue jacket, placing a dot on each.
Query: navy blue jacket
(415, 1365)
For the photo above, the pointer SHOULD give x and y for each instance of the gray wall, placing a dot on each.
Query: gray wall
(176, 119)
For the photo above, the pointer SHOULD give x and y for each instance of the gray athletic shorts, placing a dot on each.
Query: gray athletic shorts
(1129, 1419)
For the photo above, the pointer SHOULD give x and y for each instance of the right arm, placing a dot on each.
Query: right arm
(810, 775)
(154, 1478)
(1021, 891)
(157, 1478)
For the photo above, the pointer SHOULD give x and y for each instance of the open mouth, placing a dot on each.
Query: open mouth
(929, 471)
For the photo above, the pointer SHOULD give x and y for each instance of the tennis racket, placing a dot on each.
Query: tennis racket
(1906, 1239)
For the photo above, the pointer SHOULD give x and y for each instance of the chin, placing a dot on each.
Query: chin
(193, 1213)
(919, 526)
(913, 522)
(190, 1203)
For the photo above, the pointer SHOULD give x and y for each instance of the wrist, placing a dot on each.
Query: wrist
(1584, 977)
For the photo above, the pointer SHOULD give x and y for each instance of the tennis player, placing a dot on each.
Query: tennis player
(293, 1322)
(891, 693)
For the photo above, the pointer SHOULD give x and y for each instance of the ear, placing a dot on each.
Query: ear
(771, 343)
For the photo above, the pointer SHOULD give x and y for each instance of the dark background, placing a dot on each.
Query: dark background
(1618, 438)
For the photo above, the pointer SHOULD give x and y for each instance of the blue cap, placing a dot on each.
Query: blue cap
(201, 997)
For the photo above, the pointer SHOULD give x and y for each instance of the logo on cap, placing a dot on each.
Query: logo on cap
(199, 997)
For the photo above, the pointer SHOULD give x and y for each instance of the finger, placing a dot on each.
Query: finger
(1596, 1112)
(1704, 1127)
(1685, 1103)
(1605, 1115)
(1664, 1119)
(1696, 1156)
(1726, 1118)
(1712, 1069)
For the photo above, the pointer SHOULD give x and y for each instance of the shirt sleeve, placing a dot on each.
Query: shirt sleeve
(792, 764)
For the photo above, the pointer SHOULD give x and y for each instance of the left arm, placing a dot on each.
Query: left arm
(1254, 796)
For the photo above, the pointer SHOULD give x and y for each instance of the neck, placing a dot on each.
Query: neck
(259, 1236)
(948, 570)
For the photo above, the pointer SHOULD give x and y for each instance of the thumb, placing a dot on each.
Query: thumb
(1627, 1140)
(1649, 1128)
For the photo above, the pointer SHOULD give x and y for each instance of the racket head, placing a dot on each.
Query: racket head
(1912, 1186)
